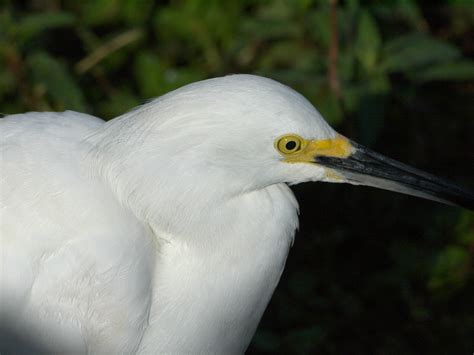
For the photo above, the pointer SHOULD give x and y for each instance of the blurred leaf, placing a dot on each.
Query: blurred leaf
(290, 54)
(60, 86)
(405, 11)
(409, 10)
(156, 78)
(351, 97)
(7, 82)
(198, 35)
(414, 51)
(149, 73)
(269, 29)
(277, 10)
(465, 229)
(267, 24)
(319, 26)
(459, 70)
(462, 18)
(118, 104)
(33, 24)
(175, 78)
(135, 12)
(347, 65)
(368, 42)
(95, 12)
(450, 270)
(352, 6)
(378, 84)
(329, 106)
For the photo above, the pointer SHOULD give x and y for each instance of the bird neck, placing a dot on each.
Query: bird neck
(172, 190)
(212, 286)
(220, 246)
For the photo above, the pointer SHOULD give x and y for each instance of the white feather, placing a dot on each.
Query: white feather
(163, 230)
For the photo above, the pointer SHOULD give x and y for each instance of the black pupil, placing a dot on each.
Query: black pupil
(290, 145)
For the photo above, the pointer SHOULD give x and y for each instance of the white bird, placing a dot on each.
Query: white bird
(166, 230)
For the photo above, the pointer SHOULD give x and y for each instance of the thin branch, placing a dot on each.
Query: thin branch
(106, 49)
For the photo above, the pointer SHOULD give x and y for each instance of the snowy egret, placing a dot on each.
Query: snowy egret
(167, 229)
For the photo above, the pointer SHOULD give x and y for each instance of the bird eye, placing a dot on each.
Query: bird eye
(289, 144)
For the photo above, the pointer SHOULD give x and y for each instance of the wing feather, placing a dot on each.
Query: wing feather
(76, 266)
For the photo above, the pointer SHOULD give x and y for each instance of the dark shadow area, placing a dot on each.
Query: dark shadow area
(13, 342)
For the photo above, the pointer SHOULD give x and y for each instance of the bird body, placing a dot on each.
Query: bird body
(165, 229)
(120, 284)
(88, 268)
(58, 220)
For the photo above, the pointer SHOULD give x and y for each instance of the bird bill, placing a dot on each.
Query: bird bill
(366, 167)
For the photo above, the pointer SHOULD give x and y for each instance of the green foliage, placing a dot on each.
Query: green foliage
(370, 272)
(368, 42)
(189, 40)
(450, 269)
(461, 70)
(51, 77)
(33, 25)
(453, 265)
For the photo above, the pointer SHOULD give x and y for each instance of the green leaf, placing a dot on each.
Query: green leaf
(155, 77)
(95, 12)
(352, 6)
(459, 70)
(33, 24)
(52, 75)
(406, 12)
(319, 26)
(175, 78)
(289, 54)
(329, 106)
(351, 96)
(269, 29)
(347, 65)
(368, 42)
(410, 10)
(450, 269)
(135, 12)
(118, 104)
(7, 82)
(415, 51)
(465, 228)
(149, 74)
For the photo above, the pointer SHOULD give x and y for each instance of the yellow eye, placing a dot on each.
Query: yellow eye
(289, 144)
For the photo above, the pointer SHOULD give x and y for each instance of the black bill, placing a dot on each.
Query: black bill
(366, 167)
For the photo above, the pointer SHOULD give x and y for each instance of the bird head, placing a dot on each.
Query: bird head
(245, 132)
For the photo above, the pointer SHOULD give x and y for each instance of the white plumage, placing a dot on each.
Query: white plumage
(163, 230)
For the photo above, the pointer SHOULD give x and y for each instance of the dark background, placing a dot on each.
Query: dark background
(371, 272)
